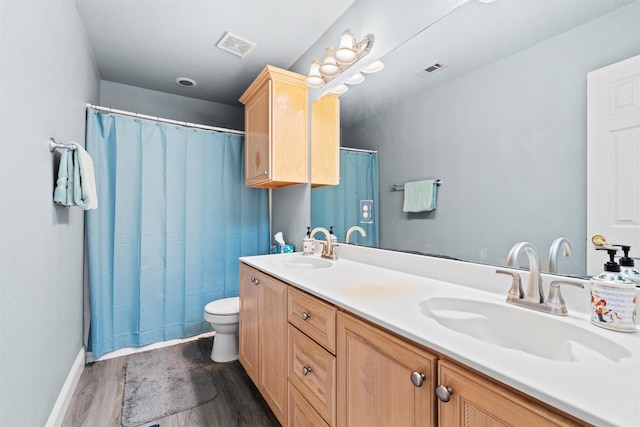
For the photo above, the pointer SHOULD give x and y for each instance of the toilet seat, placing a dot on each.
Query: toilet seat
(224, 307)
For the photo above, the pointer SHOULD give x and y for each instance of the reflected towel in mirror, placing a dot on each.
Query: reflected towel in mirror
(420, 196)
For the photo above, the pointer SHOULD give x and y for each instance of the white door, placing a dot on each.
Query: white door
(613, 159)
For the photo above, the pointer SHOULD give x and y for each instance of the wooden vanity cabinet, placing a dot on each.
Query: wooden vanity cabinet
(276, 129)
(478, 401)
(325, 141)
(263, 336)
(312, 360)
(375, 386)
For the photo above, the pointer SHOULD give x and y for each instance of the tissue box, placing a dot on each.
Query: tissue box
(279, 249)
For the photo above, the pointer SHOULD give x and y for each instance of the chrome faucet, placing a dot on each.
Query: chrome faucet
(534, 293)
(351, 230)
(534, 297)
(328, 248)
(560, 243)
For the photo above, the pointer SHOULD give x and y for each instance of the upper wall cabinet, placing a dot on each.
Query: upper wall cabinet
(325, 141)
(276, 129)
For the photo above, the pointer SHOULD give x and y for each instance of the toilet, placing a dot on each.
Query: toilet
(223, 316)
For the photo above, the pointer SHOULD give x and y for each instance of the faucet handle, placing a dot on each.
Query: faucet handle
(515, 292)
(555, 301)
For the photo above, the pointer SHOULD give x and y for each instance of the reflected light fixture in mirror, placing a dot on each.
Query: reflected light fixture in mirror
(340, 89)
(356, 79)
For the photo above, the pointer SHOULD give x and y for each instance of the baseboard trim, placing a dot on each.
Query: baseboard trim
(64, 398)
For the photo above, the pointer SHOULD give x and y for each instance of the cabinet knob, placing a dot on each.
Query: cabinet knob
(306, 370)
(444, 393)
(417, 378)
(305, 315)
(255, 281)
(266, 172)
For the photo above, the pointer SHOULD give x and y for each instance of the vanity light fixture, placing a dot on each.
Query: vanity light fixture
(337, 60)
(340, 89)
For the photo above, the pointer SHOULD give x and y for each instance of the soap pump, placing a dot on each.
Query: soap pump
(334, 239)
(613, 297)
(627, 267)
(308, 243)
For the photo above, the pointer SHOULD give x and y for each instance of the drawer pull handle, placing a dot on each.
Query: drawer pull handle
(306, 370)
(305, 315)
(417, 378)
(255, 281)
(444, 393)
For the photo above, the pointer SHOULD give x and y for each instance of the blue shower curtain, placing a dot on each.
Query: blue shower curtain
(340, 205)
(173, 217)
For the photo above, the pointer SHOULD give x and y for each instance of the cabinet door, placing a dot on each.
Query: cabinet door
(272, 339)
(476, 401)
(257, 138)
(375, 385)
(325, 141)
(248, 324)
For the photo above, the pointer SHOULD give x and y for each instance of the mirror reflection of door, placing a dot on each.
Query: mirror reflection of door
(613, 158)
(352, 202)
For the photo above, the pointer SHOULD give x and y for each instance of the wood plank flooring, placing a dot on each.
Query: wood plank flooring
(97, 400)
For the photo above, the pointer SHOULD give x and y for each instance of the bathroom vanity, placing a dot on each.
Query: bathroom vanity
(381, 337)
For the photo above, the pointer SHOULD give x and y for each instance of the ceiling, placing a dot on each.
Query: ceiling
(150, 43)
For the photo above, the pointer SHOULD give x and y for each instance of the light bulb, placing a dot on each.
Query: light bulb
(357, 78)
(374, 67)
(340, 89)
(346, 53)
(315, 79)
(329, 66)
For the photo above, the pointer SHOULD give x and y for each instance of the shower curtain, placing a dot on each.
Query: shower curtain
(173, 217)
(340, 206)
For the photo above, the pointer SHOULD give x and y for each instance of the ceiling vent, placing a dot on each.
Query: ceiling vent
(430, 69)
(236, 45)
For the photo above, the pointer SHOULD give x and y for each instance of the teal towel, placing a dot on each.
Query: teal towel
(63, 193)
(420, 196)
(76, 185)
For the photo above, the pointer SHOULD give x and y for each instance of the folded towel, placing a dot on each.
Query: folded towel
(63, 193)
(420, 196)
(76, 183)
(84, 180)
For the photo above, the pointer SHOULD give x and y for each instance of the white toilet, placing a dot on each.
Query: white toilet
(223, 316)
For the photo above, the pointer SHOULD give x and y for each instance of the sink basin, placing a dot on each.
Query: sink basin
(303, 261)
(521, 329)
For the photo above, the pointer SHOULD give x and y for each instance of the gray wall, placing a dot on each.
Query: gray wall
(47, 77)
(509, 142)
(169, 106)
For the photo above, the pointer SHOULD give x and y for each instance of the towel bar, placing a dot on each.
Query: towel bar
(53, 145)
(400, 187)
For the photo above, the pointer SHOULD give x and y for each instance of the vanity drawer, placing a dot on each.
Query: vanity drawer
(312, 370)
(314, 317)
(301, 413)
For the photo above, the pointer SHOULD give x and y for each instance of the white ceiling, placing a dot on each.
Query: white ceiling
(149, 43)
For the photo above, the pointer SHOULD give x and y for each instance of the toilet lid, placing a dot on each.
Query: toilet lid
(222, 307)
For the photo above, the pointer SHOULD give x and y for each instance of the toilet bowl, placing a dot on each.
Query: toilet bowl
(223, 316)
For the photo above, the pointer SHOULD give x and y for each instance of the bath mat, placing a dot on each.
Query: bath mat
(162, 382)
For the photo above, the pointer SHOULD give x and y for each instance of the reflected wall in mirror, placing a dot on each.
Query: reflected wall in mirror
(503, 124)
(353, 202)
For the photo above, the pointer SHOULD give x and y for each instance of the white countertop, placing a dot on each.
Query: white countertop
(387, 288)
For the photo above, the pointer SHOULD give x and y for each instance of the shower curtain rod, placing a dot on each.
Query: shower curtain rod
(359, 150)
(160, 119)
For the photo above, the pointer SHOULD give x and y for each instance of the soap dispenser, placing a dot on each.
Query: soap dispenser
(627, 267)
(334, 239)
(613, 297)
(308, 243)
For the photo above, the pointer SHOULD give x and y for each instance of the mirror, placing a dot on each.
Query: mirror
(502, 123)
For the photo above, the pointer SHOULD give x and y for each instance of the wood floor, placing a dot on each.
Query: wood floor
(97, 400)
